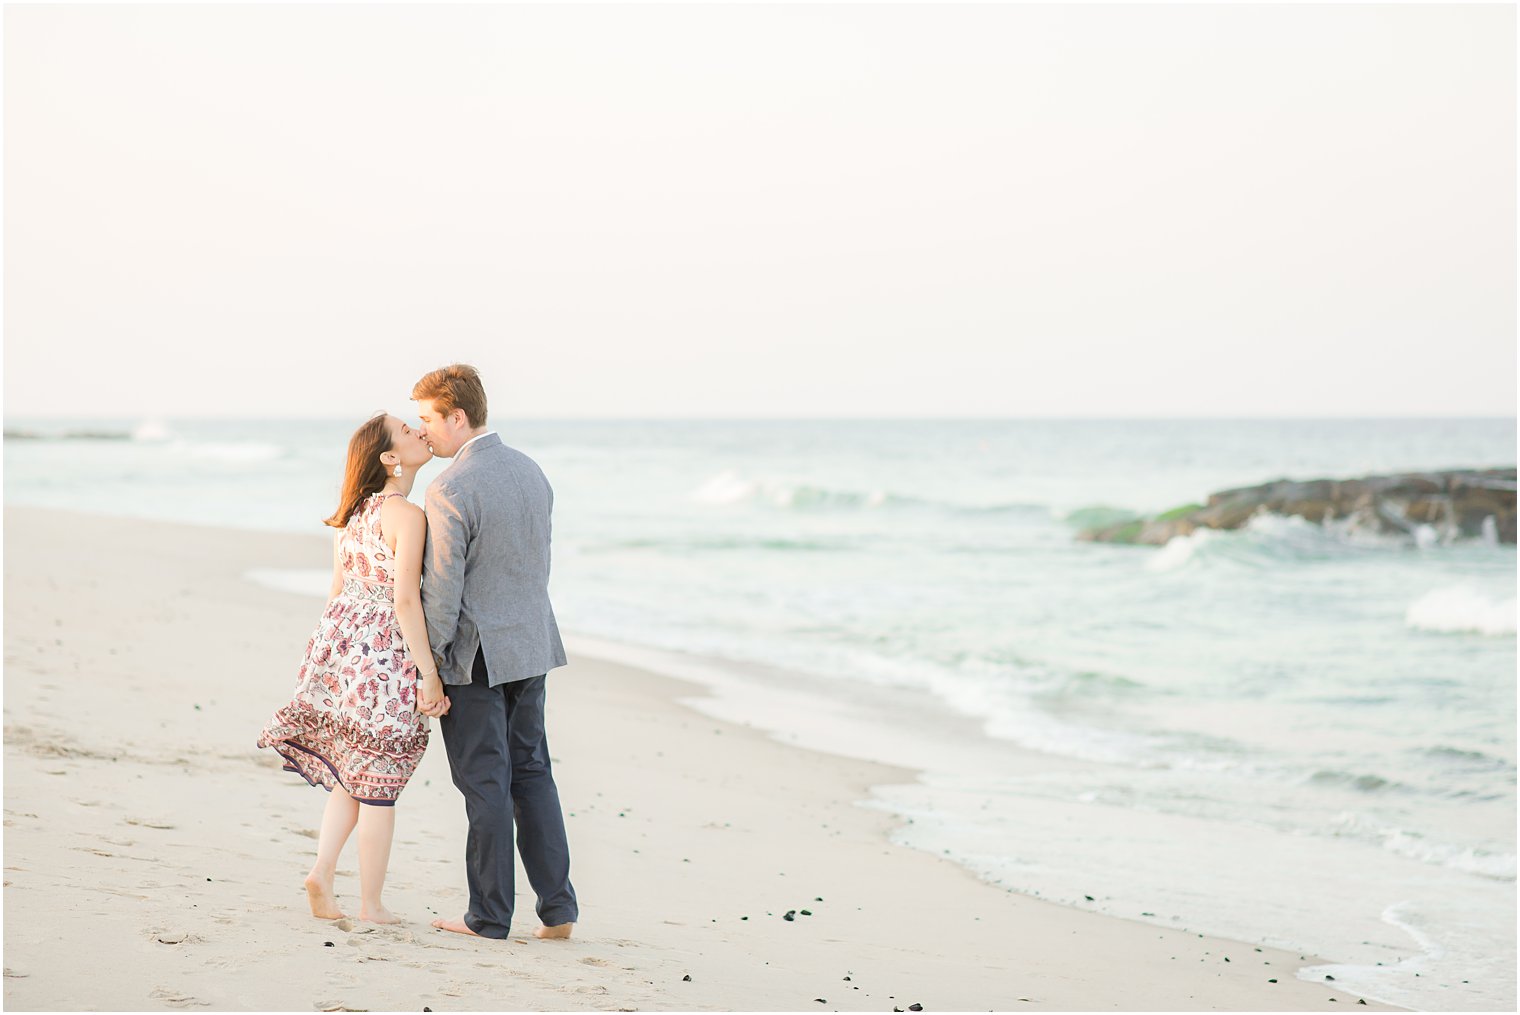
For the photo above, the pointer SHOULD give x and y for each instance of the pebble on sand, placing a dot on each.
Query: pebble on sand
(686, 978)
(790, 914)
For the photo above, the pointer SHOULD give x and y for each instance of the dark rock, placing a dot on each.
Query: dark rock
(807, 912)
(1470, 503)
(790, 914)
(686, 978)
(915, 1007)
(328, 944)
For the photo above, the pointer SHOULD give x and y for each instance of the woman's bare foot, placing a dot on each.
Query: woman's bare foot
(554, 933)
(378, 914)
(457, 926)
(319, 892)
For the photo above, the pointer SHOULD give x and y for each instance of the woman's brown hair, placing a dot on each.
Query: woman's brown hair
(364, 474)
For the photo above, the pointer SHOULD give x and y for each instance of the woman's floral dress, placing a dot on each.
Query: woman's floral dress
(354, 719)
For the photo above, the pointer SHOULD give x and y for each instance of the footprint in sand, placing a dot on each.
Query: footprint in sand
(171, 937)
(178, 999)
(592, 961)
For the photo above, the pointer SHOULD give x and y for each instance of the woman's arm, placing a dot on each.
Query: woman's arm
(410, 527)
(337, 582)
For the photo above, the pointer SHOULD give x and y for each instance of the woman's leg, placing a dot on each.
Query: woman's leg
(337, 821)
(376, 827)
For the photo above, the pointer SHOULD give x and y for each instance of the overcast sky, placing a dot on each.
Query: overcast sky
(762, 211)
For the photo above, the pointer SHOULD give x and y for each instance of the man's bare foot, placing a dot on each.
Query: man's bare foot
(319, 892)
(457, 926)
(378, 914)
(554, 933)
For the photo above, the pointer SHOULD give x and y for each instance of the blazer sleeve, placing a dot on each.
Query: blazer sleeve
(448, 541)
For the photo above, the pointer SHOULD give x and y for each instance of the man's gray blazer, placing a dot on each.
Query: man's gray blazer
(485, 571)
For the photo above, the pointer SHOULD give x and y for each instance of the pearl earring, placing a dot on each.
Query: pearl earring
(398, 471)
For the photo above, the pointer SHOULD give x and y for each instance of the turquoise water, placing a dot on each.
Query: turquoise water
(1281, 734)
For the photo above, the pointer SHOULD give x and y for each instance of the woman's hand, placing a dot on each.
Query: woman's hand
(430, 697)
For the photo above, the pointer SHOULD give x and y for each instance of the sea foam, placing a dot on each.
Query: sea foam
(1462, 609)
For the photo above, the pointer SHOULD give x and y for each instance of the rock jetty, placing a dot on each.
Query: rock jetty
(1424, 505)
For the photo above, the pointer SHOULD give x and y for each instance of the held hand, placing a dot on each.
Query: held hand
(430, 697)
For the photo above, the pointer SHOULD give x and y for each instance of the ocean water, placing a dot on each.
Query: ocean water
(1284, 734)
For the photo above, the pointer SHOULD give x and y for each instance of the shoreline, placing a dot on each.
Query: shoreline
(160, 829)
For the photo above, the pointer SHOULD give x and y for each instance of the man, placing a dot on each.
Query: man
(485, 577)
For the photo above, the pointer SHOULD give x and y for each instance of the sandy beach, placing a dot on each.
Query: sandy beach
(148, 842)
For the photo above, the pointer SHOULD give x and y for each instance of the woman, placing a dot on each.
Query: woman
(357, 725)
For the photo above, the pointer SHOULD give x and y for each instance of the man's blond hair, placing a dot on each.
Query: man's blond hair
(456, 386)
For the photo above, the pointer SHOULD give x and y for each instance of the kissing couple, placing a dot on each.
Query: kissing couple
(437, 612)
